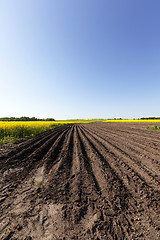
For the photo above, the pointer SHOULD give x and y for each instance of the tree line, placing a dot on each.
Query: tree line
(26, 119)
(150, 118)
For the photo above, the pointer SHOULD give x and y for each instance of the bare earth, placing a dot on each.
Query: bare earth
(86, 181)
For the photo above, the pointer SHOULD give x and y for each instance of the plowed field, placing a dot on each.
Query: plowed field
(86, 181)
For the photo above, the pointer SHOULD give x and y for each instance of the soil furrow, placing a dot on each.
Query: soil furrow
(129, 138)
(150, 179)
(18, 174)
(143, 134)
(112, 189)
(25, 144)
(84, 181)
(141, 198)
(145, 162)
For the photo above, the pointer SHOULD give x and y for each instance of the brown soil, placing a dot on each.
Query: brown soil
(86, 181)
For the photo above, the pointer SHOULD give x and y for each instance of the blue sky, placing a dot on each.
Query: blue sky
(80, 58)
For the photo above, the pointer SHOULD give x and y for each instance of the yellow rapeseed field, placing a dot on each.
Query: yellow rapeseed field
(13, 130)
(133, 120)
(108, 120)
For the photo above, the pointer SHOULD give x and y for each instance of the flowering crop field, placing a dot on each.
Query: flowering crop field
(110, 120)
(12, 131)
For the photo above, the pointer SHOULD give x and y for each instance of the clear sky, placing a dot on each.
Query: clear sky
(80, 58)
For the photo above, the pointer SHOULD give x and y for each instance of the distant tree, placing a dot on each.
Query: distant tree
(150, 118)
(24, 118)
(50, 119)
